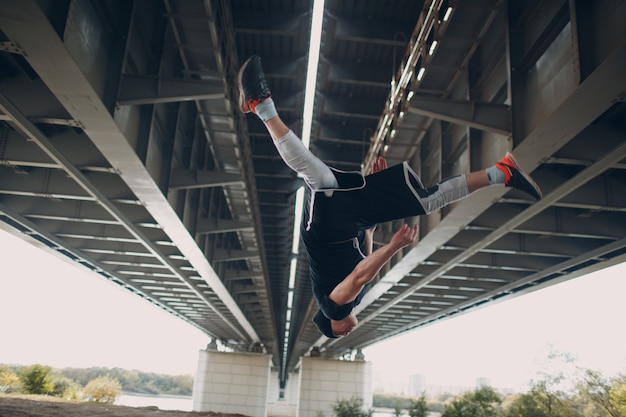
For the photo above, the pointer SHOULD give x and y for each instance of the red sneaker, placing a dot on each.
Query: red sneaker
(253, 87)
(516, 177)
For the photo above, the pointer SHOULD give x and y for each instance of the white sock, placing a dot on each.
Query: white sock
(495, 175)
(266, 109)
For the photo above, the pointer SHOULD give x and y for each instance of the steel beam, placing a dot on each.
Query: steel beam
(359, 30)
(208, 226)
(136, 90)
(185, 179)
(226, 255)
(352, 73)
(592, 98)
(592, 171)
(490, 117)
(23, 22)
(352, 107)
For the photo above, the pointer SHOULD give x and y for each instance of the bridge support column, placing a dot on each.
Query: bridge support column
(283, 403)
(324, 381)
(232, 382)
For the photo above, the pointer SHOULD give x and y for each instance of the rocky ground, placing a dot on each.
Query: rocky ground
(18, 406)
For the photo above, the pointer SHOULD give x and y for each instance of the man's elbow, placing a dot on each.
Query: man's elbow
(361, 276)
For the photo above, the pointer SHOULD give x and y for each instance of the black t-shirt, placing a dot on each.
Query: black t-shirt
(334, 238)
(333, 230)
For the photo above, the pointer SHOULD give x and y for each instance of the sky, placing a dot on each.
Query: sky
(56, 313)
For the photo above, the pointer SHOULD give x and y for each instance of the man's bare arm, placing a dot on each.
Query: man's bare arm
(368, 268)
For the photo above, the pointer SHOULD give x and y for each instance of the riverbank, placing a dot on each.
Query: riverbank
(41, 406)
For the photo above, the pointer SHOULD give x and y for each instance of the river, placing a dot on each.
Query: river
(164, 402)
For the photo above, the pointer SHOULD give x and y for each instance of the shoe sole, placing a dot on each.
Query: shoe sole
(242, 97)
(524, 174)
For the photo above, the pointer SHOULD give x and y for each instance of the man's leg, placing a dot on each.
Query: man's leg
(505, 172)
(255, 97)
(476, 180)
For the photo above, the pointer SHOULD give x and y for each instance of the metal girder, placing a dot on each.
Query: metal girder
(490, 117)
(51, 244)
(351, 107)
(541, 24)
(467, 285)
(340, 132)
(593, 97)
(239, 275)
(359, 30)
(25, 23)
(353, 73)
(136, 90)
(282, 24)
(11, 47)
(528, 281)
(45, 181)
(590, 172)
(208, 226)
(184, 179)
(226, 255)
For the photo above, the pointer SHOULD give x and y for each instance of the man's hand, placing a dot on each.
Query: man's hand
(379, 164)
(404, 237)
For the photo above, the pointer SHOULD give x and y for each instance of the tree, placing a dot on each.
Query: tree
(479, 403)
(36, 379)
(607, 396)
(553, 395)
(558, 373)
(419, 407)
(618, 395)
(540, 401)
(526, 405)
(350, 408)
(103, 389)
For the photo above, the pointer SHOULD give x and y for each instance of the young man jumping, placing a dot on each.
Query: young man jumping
(345, 207)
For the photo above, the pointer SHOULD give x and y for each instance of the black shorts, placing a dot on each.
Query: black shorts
(391, 194)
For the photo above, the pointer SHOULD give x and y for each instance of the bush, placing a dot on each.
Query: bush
(36, 379)
(350, 408)
(103, 389)
(9, 381)
(66, 388)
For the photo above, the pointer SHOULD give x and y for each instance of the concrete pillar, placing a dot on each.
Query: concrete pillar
(232, 382)
(287, 406)
(324, 381)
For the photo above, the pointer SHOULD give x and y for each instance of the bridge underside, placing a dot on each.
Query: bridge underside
(121, 147)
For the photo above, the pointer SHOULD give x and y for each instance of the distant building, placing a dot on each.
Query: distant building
(436, 390)
(482, 382)
(417, 385)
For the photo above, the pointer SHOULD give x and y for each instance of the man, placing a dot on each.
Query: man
(344, 208)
